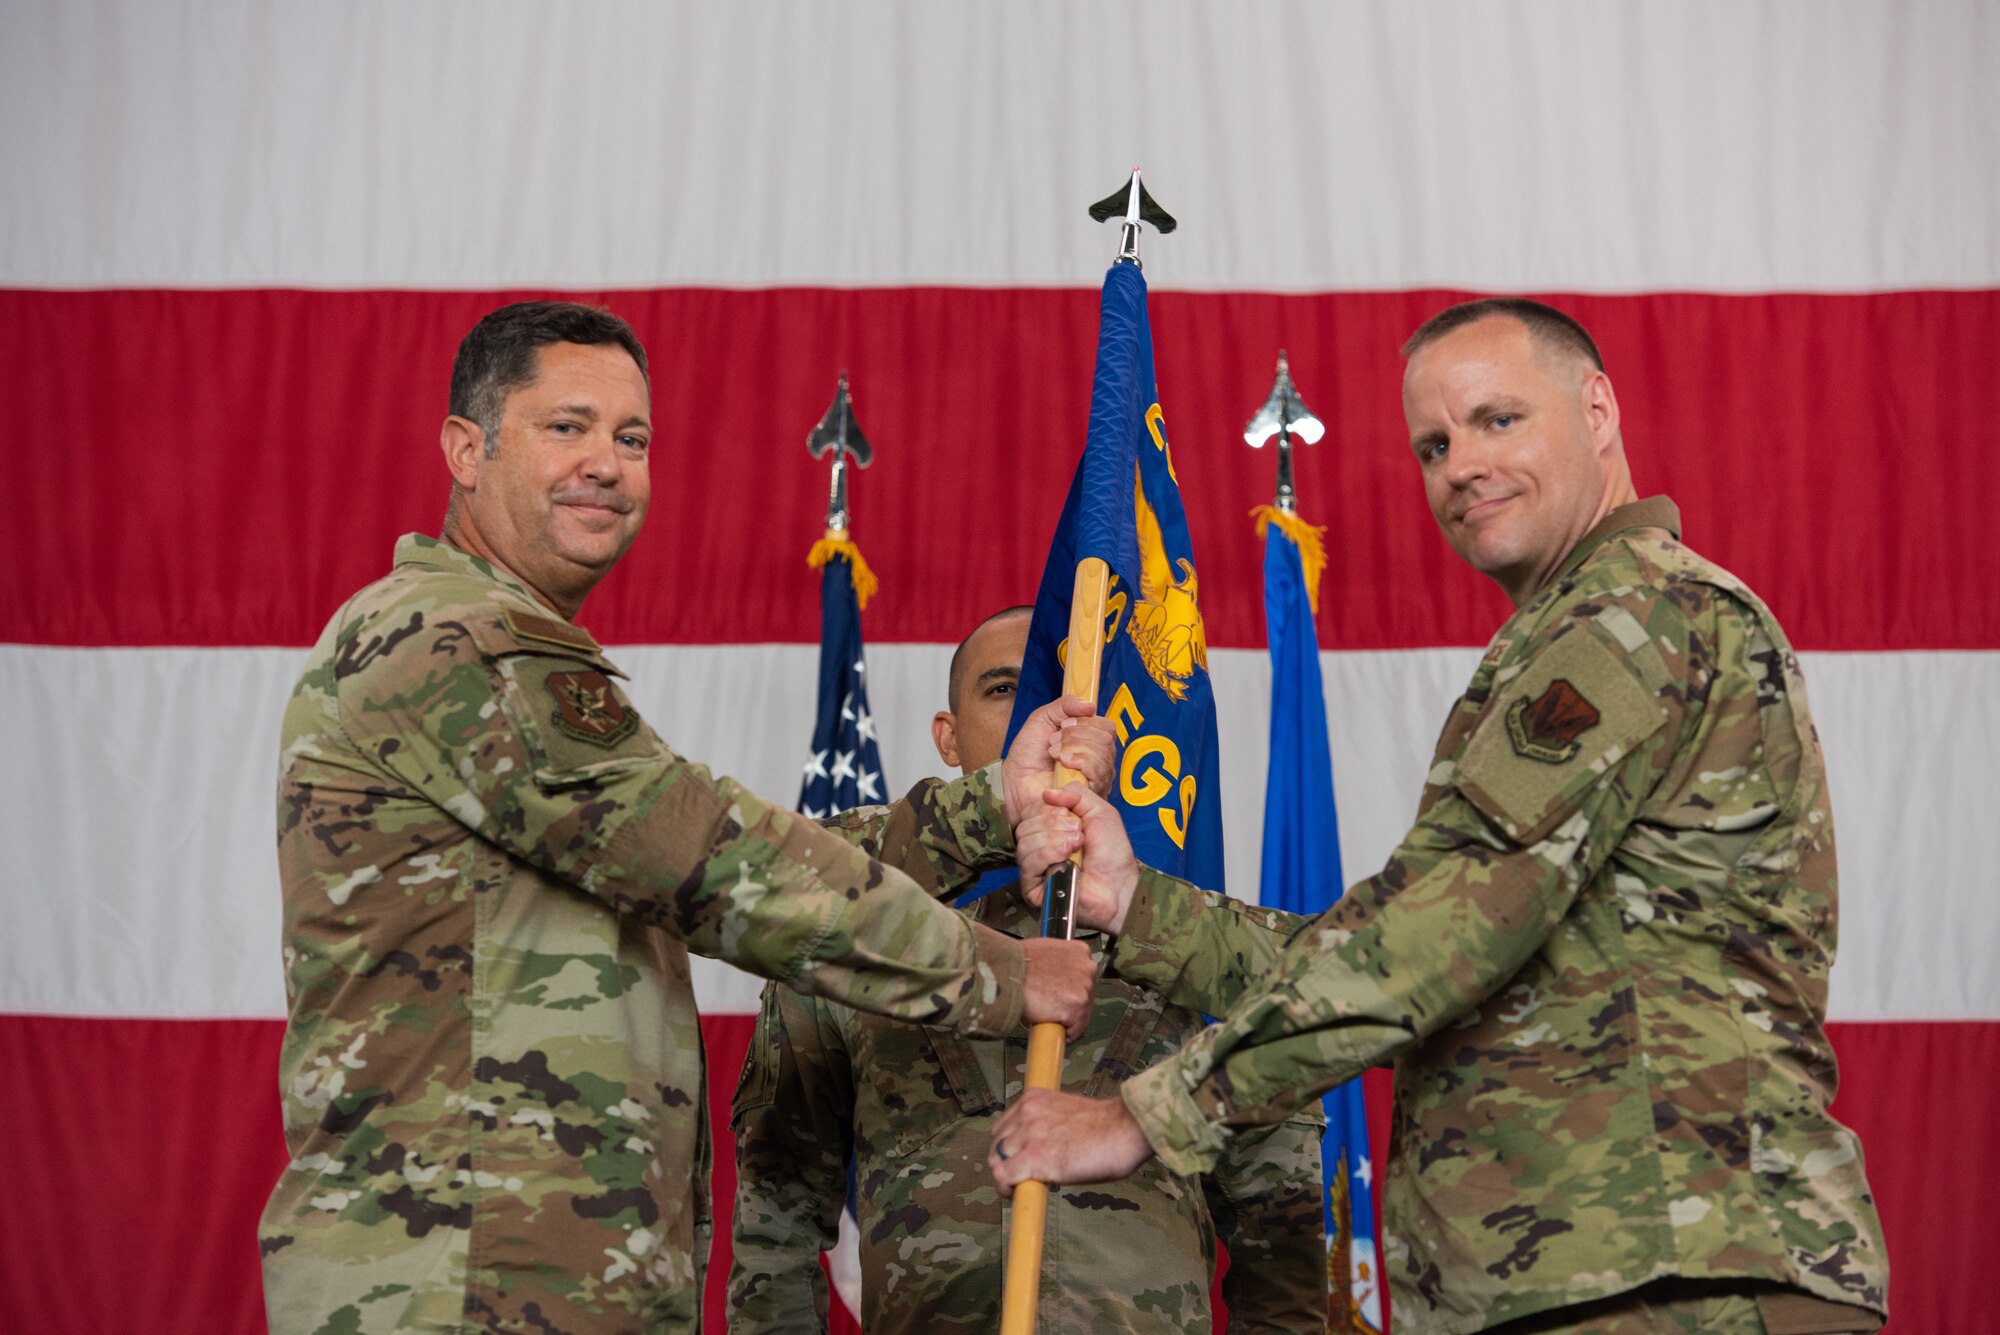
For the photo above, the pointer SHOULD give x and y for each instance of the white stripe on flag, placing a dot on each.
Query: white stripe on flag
(121, 898)
(1712, 146)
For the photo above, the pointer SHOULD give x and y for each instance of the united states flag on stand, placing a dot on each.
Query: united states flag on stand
(845, 768)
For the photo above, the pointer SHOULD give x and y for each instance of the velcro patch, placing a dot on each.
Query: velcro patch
(1577, 709)
(590, 709)
(528, 626)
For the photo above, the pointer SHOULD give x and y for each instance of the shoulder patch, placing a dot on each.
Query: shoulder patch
(589, 708)
(528, 626)
(1549, 727)
(1577, 709)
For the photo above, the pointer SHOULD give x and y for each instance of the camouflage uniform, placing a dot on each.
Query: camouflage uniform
(1599, 961)
(914, 1109)
(493, 872)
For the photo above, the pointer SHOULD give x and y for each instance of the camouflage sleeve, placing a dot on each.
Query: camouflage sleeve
(942, 835)
(1265, 1193)
(792, 1116)
(538, 752)
(1467, 898)
(1198, 948)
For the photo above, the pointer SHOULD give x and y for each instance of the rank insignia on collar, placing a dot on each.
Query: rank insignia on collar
(588, 708)
(1547, 727)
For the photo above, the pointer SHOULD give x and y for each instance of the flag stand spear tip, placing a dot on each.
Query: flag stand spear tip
(840, 435)
(1285, 416)
(1131, 204)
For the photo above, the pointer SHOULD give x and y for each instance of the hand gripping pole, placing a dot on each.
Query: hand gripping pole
(1085, 657)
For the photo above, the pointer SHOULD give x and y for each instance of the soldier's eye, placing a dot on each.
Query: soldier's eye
(1503, 420)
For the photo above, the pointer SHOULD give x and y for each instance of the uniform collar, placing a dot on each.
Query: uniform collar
(421, 549)
(1652, 512)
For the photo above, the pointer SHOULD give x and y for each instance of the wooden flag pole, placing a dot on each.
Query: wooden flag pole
(1082, 663)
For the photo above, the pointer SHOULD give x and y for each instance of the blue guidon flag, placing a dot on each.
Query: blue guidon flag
(1124, 506)
(1301, 873)
(845, 769)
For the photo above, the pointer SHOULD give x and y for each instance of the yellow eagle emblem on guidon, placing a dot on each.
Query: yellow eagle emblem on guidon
(1165, 623)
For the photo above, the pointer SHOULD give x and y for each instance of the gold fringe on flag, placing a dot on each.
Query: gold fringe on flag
(832, 545)
(1304, 536)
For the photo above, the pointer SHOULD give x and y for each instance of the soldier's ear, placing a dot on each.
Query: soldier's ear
(944, 735)
(464, 443)
(1600, 409)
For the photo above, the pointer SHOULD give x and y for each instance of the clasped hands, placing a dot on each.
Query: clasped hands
(1046, 1135)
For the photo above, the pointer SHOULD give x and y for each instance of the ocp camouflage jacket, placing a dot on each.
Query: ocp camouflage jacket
(493, 872)
(1599, 961)
(911, 1109)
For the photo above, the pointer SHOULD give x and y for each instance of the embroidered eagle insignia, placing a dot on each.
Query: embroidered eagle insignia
(1547, 728)
(1165, 624)
(589, 709)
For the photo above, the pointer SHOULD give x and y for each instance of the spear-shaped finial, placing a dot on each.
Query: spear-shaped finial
(838, 433)
(1285, 416)
(1136, 206)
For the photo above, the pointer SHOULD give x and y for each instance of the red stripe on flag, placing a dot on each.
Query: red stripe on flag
(138, 1154)
(223, 468)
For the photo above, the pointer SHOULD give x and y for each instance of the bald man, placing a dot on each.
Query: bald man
(826, 1088)
(1599, 959)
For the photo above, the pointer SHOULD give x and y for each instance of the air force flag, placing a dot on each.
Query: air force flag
(1301, 873)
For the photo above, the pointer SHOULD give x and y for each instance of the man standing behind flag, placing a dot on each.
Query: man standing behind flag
(1599, 959)
(493, 872)
(826, 1089)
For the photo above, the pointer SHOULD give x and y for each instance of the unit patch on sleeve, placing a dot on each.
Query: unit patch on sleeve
(589, 709)
(1578, 708)
(1547, 728)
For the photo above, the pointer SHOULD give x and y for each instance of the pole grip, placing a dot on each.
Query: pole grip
(1083, 661)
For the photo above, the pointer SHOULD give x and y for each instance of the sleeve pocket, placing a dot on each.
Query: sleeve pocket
(573, 720)
(1555, 733)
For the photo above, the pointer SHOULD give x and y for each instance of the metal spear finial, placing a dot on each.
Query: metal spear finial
(1285, 416)
(839, 434)
(1135, 205)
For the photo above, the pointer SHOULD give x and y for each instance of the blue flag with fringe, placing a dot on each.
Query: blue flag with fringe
(1301, 873)
(1124, 506)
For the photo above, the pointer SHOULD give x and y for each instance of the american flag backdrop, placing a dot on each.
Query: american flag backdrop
(239, 243)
